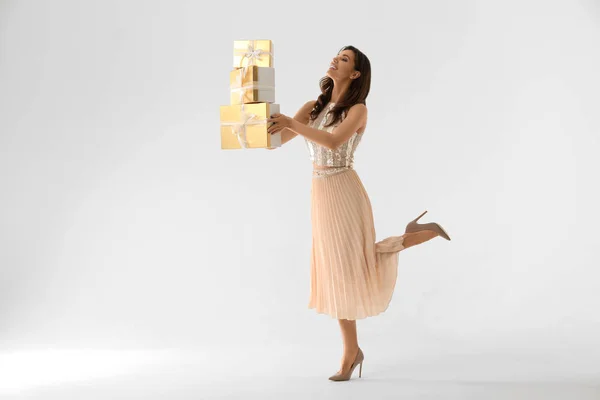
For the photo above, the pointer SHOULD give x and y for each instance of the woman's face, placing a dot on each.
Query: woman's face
(342, 66)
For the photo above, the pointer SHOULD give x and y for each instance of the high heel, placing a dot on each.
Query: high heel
(413, 227)
(346, 377)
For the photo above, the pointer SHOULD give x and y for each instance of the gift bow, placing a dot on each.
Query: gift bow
(251, 53)
(239, 128)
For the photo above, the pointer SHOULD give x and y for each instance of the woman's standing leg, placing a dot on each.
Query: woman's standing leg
(350, 337)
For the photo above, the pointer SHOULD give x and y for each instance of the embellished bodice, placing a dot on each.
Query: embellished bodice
(343, 156)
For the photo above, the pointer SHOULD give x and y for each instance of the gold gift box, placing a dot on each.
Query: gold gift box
(252, 85)
(241, 57)
(257, 135)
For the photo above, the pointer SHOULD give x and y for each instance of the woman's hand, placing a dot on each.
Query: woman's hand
(280, 122)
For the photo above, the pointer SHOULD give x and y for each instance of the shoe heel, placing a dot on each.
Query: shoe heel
(412, 224)
(360, 371)
(419, 217)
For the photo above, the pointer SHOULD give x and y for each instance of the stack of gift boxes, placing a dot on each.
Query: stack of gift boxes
(252, 85)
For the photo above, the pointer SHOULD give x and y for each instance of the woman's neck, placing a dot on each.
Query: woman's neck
(339, 91)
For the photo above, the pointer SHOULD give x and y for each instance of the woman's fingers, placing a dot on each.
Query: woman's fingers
(275, 126)
(273, 129)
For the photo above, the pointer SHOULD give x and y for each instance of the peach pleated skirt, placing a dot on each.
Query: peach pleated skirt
(352, 276)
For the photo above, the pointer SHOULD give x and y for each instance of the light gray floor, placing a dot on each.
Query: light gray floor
(295, 373)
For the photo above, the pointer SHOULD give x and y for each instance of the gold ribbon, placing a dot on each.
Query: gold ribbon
(239, 128)
(251, 53)
(242, 90)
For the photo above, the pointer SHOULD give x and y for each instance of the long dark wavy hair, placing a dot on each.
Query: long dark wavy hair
(357, 92)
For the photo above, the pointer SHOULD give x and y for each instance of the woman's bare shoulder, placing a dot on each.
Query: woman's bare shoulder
(303, 113)
(309, 105)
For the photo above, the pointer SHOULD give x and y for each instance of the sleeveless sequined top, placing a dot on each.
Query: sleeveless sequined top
(343, 156)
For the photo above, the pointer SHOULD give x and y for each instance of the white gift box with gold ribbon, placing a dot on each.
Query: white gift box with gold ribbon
(252, 85)
(252, 52)
(245, 126)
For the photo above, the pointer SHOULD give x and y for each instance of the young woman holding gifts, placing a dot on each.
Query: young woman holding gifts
(352, 276)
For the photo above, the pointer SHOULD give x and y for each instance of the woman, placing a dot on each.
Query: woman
(352, 276)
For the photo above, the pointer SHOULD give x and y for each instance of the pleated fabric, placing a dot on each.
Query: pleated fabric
(352, 276)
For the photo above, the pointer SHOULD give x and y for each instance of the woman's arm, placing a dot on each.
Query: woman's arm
(356, 118)
(302, 117)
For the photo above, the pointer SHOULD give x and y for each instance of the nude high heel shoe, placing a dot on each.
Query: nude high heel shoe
(413, 227)
(346, 377)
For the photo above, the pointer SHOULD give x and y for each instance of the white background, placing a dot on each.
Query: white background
(124, 226)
